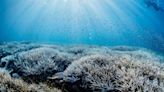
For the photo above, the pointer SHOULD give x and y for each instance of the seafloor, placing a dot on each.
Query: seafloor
(31, 67)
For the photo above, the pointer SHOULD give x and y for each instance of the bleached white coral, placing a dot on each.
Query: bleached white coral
(40, 62)
(9, 84)
(123, 72)
(15, 47)
(82, 68)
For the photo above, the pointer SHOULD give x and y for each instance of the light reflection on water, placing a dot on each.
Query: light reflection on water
(102, 22)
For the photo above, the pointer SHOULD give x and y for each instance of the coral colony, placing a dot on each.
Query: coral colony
(29, 67)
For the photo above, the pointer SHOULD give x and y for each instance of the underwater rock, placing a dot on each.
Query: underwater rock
(104, 73)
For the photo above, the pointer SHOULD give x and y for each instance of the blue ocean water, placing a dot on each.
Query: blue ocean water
(98, 22)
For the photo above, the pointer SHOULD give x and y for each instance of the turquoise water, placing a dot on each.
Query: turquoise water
(99, 22)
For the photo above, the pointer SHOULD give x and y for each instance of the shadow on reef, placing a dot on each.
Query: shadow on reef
(84, 68)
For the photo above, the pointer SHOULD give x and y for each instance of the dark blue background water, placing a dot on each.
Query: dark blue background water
(100, 22)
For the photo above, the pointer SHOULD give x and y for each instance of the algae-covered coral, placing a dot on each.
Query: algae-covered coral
(53, 68)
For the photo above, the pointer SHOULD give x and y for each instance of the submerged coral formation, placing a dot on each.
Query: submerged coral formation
(122, 73)
(29, 67)
(37, 64)
(9, 84)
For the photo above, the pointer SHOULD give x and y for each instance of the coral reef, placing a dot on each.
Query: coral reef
(122, 73)
(29, 67)
(37, 64)
(9, 84)
(14, 47)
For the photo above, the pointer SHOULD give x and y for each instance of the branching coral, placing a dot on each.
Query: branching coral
(8, 84)
(15, 47)
(121, 73)
(37, 63)
(80, 68)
